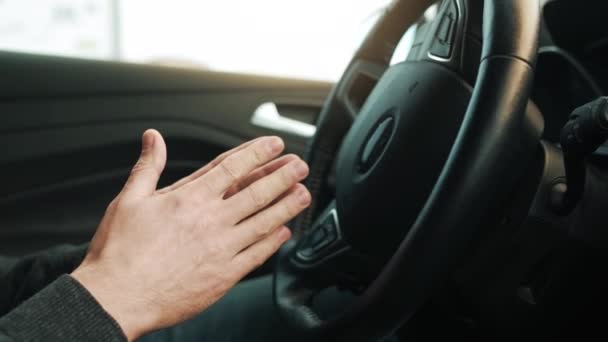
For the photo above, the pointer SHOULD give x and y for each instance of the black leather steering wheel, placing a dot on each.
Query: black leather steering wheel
(421, 167)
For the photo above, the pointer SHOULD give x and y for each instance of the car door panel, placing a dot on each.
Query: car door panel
(70, 130)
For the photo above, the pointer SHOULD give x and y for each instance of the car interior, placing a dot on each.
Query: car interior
(437, 181)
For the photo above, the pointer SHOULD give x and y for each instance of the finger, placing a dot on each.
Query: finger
(238, 165)
(263, 191)
(259, 173)
(255, 255)
(146, 172)
(263, 223)
(196, 174)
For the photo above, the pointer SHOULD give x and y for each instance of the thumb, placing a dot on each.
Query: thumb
(146, 172)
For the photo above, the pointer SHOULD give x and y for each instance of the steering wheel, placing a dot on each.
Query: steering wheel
(422, 164)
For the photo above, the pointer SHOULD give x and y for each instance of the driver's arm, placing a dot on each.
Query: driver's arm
(39, 302)
(21, 278)
(159, 257)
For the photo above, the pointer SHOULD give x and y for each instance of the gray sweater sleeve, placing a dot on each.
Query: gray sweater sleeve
(63, 311)
(39, 302)
(21, 278)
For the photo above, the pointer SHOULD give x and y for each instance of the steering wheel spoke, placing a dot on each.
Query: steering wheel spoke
(322, 242)
(358, 81)
(451, 37)
(325, 256)
(443, 41)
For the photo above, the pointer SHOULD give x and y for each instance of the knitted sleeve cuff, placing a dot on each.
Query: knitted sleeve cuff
(63, 311)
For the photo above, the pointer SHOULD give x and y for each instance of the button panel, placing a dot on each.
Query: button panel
(323, 235)
(443, 39)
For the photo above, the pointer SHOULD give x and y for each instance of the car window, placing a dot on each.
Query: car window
(312, 39)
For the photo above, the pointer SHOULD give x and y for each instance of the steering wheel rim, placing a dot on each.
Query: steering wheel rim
(477, 173)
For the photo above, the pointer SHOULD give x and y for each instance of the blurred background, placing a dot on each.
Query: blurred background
(311, 39)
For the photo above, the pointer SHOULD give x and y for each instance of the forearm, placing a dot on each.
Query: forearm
(21, 278)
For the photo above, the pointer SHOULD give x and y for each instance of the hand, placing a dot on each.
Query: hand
(161, 256)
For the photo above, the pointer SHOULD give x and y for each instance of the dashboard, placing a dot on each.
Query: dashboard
(571, 68)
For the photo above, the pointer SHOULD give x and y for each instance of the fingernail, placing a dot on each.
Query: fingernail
(300, 168)
(275, 145)
(147, 140)
(303, 196)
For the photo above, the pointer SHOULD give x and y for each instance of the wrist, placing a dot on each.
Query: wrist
(117, 298)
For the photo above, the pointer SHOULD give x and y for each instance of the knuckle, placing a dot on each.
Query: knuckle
(281, 179)
(207, 188)
(287, 177)
(256, 260)
(258, 154)
(256, 197)
(139, 167)
(229, 167)
(262, 228)
(216, 250)
(221, 157)
(289, 210)
(113, 206)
